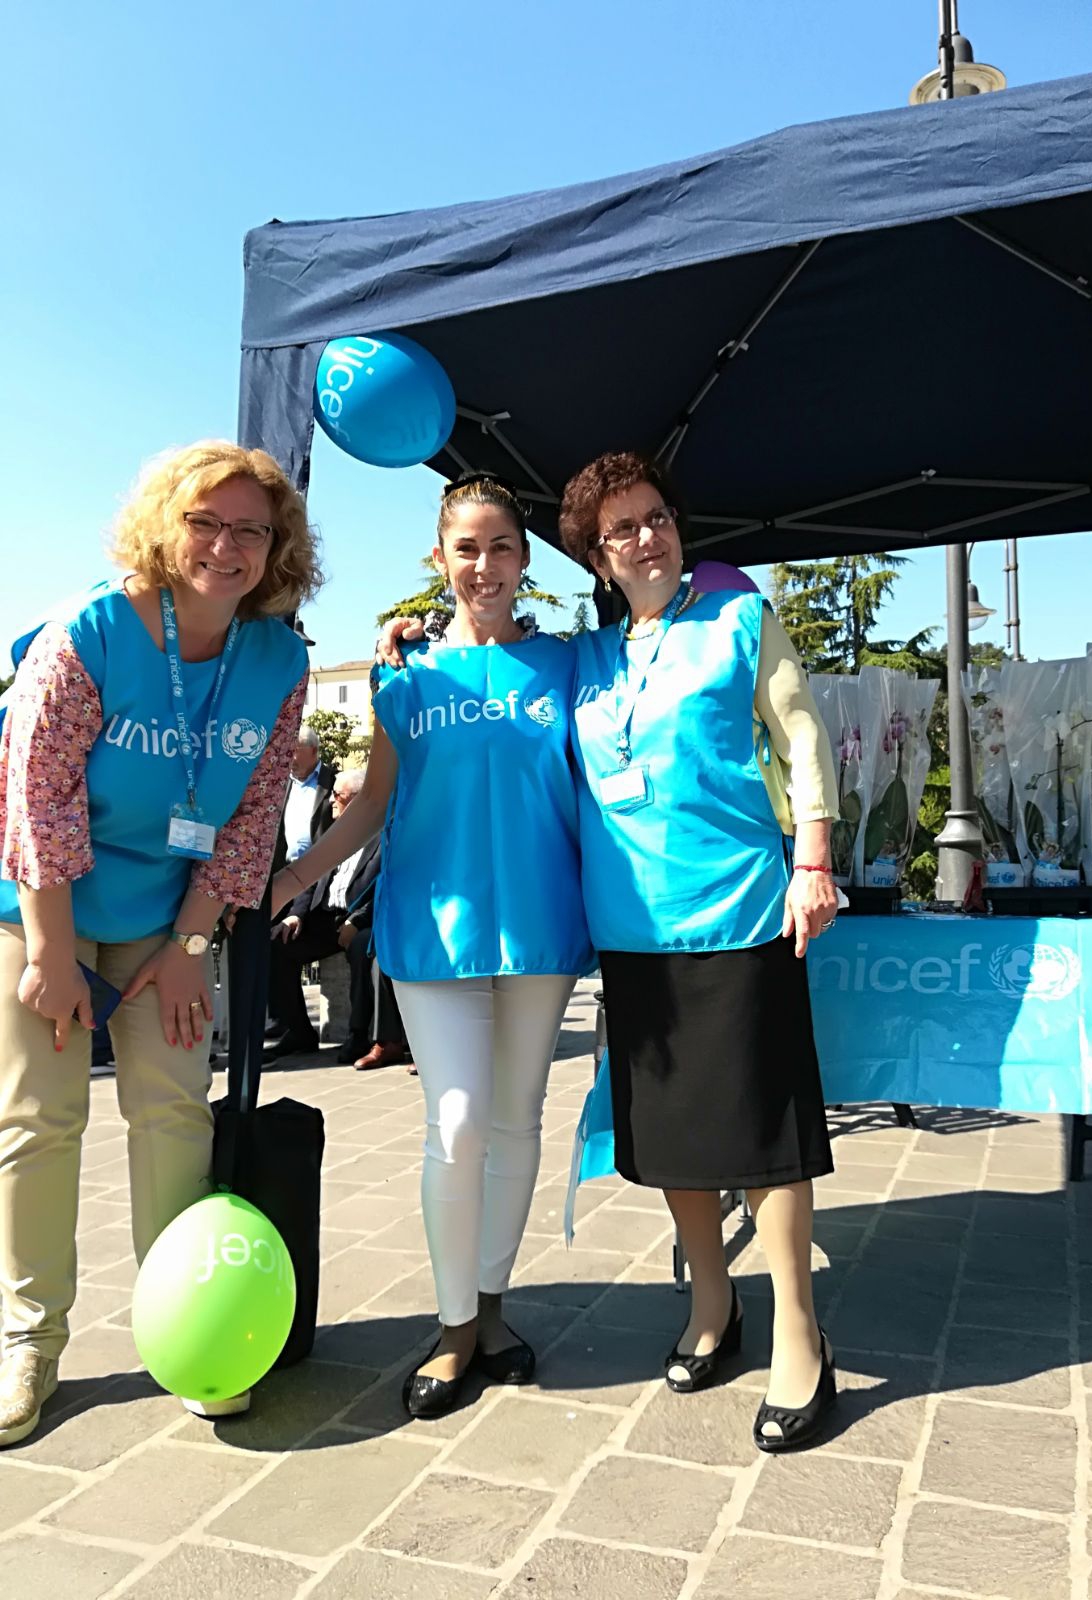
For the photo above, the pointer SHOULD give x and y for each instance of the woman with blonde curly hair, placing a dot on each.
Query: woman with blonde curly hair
(143, 763)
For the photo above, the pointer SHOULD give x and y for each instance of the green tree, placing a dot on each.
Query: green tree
(829, 608)
(6, 683)
(431, 598)
(435, 596)
(582, 619)
(338, 733)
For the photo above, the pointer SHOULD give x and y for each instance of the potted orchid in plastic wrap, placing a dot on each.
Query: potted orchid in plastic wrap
(836, 696)
(994, 790)
(895, 711)
(1048, 721)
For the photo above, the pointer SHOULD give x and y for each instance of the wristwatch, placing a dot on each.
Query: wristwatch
(194, 944)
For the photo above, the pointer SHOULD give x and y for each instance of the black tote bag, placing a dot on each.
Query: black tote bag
(271, 1155)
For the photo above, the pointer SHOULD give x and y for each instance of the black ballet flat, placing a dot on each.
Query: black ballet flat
(432, 1397)
(515, 1364)
(701, 1370)
(800, 1427)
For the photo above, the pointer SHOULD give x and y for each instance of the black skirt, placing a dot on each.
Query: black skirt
(713, 1070)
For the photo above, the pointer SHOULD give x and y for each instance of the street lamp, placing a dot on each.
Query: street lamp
(959, 844)
(977, 614)
(957, 74)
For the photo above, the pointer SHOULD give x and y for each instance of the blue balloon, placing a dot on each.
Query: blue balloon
(384, 399)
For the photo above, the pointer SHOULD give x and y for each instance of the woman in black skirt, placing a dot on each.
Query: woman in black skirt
(693, 724)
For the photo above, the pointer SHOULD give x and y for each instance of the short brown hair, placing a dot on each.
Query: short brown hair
(480, 489)
(150, 527)
(607, 475)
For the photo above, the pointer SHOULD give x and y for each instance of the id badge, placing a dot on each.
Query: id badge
(189, 835)
(626, 789)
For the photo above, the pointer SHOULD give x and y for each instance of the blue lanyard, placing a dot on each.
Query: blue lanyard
(178, 690)
(626, 704)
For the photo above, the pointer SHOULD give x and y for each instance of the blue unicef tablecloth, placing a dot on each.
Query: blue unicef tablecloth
(930, 1010)
(955, 1011)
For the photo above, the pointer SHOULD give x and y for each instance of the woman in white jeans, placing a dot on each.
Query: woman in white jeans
(478, 919)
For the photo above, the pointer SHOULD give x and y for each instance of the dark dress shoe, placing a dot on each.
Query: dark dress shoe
(290, 1044)
(351, 1051)
(699, 1371)
(515, 1364)
(432, 1397)
(800, 1426)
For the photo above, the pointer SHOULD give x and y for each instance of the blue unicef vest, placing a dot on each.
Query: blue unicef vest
(703, 865)
(481, 866)
(134, 775)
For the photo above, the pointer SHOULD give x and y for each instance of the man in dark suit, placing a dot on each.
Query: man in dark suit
(308, 812)
(335, 914)
(308, 808)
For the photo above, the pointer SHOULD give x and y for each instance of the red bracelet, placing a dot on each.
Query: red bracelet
(798, 866)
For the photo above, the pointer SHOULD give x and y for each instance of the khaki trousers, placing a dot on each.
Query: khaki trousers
(44, 1103)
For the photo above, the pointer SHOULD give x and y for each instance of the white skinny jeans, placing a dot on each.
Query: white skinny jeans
(483, 1048)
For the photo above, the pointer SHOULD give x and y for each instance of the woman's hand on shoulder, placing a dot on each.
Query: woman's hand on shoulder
(184, 1002)
(811, 905)
(387, 653)
(57, 990)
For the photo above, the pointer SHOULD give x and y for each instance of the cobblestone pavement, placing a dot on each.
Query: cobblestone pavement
(955, 1277)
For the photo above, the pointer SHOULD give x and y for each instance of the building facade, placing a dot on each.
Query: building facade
(344, 688)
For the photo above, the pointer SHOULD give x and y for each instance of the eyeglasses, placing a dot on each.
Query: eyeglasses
(625, 534)
(247, 535)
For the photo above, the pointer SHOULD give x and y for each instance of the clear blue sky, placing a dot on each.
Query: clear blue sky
(142, 141)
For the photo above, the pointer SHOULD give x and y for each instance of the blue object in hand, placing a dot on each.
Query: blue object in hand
(593, 1145)
(105, 999)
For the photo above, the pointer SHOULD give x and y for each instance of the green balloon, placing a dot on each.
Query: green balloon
(214, 1300)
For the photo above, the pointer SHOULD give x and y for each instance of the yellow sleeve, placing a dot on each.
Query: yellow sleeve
(799, 774)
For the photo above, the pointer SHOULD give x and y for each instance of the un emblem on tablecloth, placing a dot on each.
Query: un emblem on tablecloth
(1035, 971)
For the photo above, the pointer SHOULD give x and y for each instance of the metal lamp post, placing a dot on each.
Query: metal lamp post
(1012, 599)
(960, 841)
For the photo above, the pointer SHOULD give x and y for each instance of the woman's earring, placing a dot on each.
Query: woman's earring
(606, 584)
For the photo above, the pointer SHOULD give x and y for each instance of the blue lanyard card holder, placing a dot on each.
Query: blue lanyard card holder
(625, 789)
(188, 834)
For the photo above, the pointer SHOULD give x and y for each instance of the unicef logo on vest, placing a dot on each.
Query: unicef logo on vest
(543, 709)
(242, 739)
(1035, 971)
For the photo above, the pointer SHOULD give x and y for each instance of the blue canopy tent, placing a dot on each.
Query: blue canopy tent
(874, 332)
(871, 332)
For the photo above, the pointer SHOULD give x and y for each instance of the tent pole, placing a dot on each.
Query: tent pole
(1078, 284)
(959, 844)
(669, 449)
